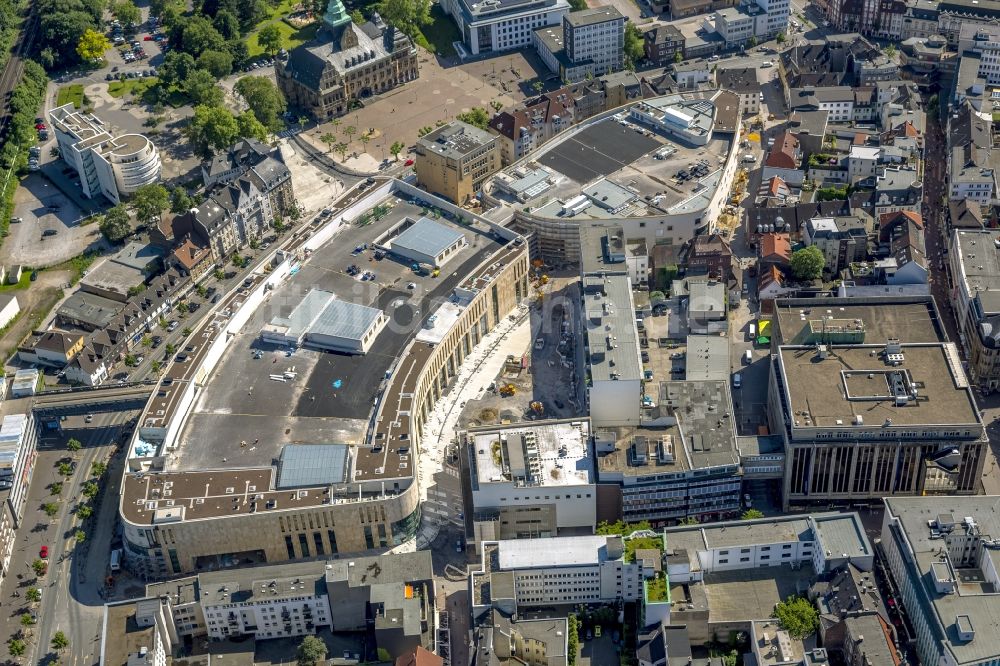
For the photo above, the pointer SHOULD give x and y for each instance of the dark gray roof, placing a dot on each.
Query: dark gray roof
(312, 465)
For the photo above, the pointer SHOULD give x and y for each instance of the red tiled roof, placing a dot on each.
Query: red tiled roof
(420, 657)
(775, 247)
(783, 154)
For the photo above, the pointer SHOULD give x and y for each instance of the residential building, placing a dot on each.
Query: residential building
(392, 596)
(421, 656)
(704, 302)
(713, 565)
(901, 244)
(679, 463)
(233, 216)
(502, 25)
(965, 214)
(929, 55)
(192, 257)
(504, 639)
(743, 82)
(135, 634)
(774, 248)
(711, 255)
(121, 276)
(692, 75)
(842, 240)
(18, 454)
(935, 547)
(864, 414)
(257, 163)
(107, 165)
(531, 482)
(524, 129)
(837, 60)
(524, 573)
(345, 63)
(975, 271)
(973, 164)
(898, 188)
(53, 348)
(592, 44)
(9, 309)
(784, 159)
(862, 162)
(455, 160)
(920, 20)
(882, 19)
(662, 43)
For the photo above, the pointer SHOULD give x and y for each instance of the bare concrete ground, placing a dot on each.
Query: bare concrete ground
(546, 379)
(440, 94)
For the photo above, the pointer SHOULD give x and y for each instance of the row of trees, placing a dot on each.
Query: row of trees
(147, 203)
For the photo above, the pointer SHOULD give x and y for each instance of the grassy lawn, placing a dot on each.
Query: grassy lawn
(438, 35)
(656, 589)
(134, 87)
(290, 37)
(71, 93)
(23, 283)
(641, 543)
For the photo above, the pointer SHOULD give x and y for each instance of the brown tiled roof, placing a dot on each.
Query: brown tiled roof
(775, 247)
(782, 155)
(189, 253)
(419, 657)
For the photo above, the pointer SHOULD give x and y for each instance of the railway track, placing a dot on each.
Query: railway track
(15, 65)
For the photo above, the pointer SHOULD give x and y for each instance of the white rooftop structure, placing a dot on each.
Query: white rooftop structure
(428, 241)
(519, 554)
(555, 454)
(323, 320)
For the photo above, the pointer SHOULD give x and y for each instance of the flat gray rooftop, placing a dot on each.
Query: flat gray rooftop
(972, 599)
(854, 382)
(427, 237)
(331, 395)
(910, 320)
(980, 259)
(611, 329)
(739, 596)
(705, 419)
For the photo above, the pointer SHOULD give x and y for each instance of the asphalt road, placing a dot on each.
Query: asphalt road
(70, 602)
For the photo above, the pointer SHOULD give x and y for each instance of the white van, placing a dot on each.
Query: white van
(767, 63)
(116, 559)
(747, 357)
(749, 158)
(752, 332)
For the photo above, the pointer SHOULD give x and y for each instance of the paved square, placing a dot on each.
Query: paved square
(598, 150)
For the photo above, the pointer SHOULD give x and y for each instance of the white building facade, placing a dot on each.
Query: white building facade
(112, 166)
(498, 25)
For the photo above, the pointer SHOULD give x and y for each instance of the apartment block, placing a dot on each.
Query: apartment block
(107, 165)
(590, 43)
(975, 269)
(455, 160)
(941, 553)
(18, 440)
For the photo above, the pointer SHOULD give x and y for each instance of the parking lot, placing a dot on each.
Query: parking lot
(599, 150)
(51, 229)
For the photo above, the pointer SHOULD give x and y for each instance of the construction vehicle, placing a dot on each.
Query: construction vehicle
(537, 407)
(425, 269)
(507, 390)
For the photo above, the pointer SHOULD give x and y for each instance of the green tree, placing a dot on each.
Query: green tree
(212, 128)
(176, 67)
(59, 641)
(329, 139)
(50, 509)
(219, 274)
(753, 41)
(116, 224)
(201, 290)
(690, 520)
(269, 38)
(131, 360)
(264, 99)
(39, 566)
(149, 202)
(678, 57)
(155, 367)
(577, 5)
(90, 490)
(407, 15)
(73, 445)
(311, 650)
(80, 536)
(183, 307)
(248, 127)
(477, 117)
(202, 88)
(797, 616)
(227, 24)
(634, 51)
(731, 658)
(126, 12)
(780, 38)
(170, 349)
(98, 468)
(195, 35)
(350, 131)
(890, 51)
(84, 511)
(752, 514)
(357, 17)
(186, 331)
(342, 149)
(572, 639)
(27, 620)
(396, 148)
(92, 46)
(33, 595)
(807, 263)
(180, 201)
(65, 469)
(16, 647)
(55, 488)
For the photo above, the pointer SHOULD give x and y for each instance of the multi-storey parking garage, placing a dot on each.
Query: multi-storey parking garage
(210, 482)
